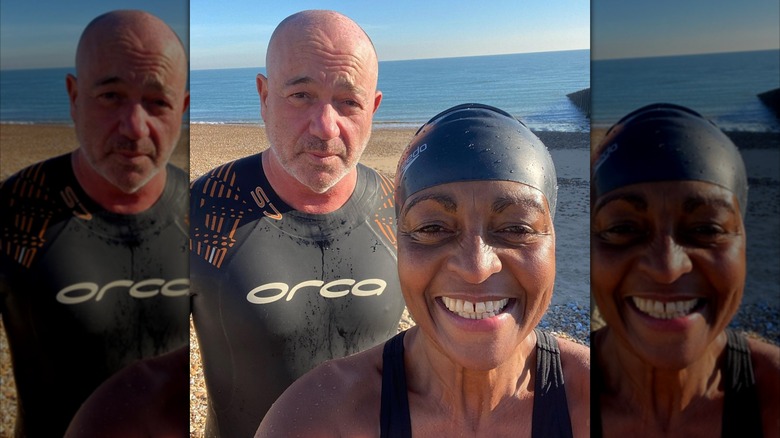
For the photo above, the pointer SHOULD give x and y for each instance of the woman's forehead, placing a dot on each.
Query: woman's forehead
(494, 195)
(687, 194)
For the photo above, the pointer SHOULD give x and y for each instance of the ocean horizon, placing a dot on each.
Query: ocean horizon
(723, 87)
(531, 86)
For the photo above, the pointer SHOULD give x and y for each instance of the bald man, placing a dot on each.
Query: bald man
(293, 252)
(94, 272)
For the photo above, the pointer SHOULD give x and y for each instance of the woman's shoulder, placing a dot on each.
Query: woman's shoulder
(764, 352)
(339, 397)
(766, 363)
(575, 355)
(575, 361)
(766, 367)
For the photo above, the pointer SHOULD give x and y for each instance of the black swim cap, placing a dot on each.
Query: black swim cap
(474, 142)
(665, 142)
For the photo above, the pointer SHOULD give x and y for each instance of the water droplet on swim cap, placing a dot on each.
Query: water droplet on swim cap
(666, 142)
(474, 142)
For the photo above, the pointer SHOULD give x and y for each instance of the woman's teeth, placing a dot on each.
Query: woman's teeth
(665, 310)
(480, 310)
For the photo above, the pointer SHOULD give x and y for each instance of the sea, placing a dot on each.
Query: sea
(723, 87)
(531, 86)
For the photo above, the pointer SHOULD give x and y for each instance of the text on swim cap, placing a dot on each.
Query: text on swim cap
(612, 148)
(413, 156)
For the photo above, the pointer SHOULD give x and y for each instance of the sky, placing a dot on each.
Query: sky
(636, 29)
(235, 33)
(44, 34)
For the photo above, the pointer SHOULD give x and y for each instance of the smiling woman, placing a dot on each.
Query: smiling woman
(475, 199)
(669, 192)
(477, 267)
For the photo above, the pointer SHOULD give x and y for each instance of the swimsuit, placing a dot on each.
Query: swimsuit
(550, 413)
(277, 291)
(85, 292)
(741, 410)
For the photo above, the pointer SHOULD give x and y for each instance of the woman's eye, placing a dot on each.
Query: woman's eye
(431, 229)
(516, 233)
(707, 230)
(621, 234)
(517, 229)
(430, 233)
(705, 234)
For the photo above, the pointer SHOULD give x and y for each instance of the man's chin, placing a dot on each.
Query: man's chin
(131, 183)
(321, 181)
(319, 187)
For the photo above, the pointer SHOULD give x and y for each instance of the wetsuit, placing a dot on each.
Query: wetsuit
(551, 410)
(277, 291)
(85, 292)
(741, 408)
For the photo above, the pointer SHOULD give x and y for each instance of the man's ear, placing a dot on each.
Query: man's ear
(186, 102)
(377, 100)
(262, 91)
(71, 85)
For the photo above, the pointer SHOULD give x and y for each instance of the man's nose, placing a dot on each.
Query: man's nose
(324, 122)
(134, 122)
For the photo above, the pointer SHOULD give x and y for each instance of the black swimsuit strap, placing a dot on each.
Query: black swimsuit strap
(394, 417)
(551, 410)
(596, 387)
(741, 408)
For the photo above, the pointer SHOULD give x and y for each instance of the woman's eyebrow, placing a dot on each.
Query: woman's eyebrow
(504, 202)
(635, 199)
(693, 202)
(446, 201)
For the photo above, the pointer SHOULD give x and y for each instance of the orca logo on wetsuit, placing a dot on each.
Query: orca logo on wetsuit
(365, 288)
(85, 291)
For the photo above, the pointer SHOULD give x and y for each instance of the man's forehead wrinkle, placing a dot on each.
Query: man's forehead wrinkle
(113, 24)
(331, 31)
(155, 62)
(149, 62)
(146, 41)
(348, 61)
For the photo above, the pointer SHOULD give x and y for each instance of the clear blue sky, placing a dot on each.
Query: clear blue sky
(624, 29)
(235, 33)
(43, 34)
